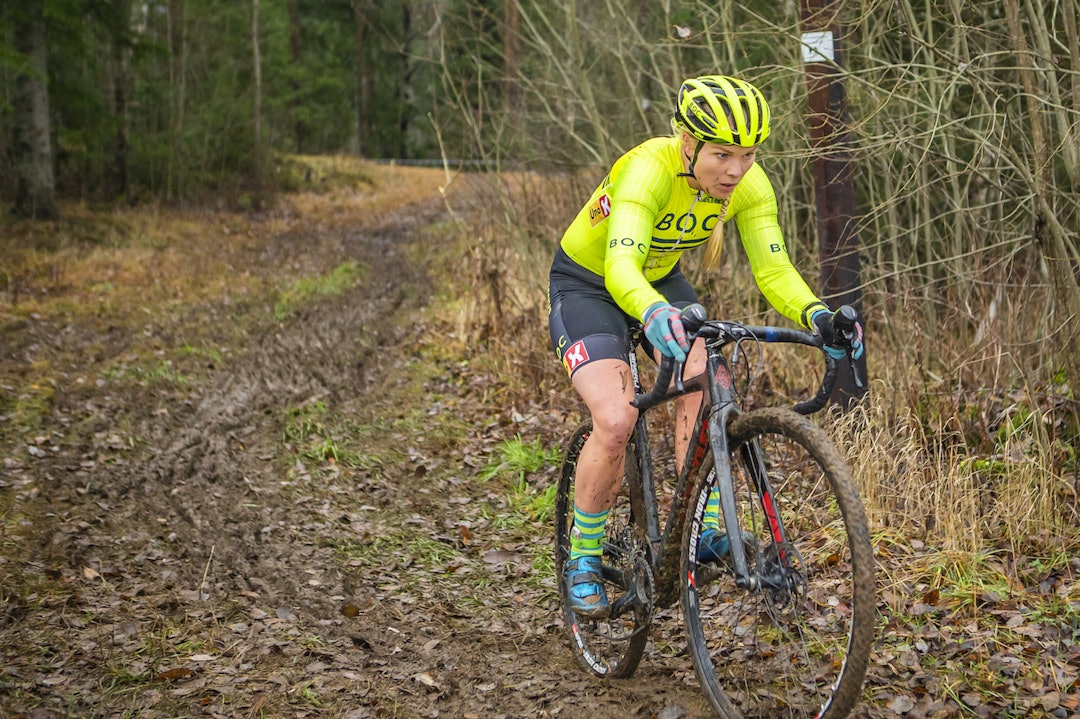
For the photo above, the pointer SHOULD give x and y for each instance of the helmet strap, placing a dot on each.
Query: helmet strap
(693, 161)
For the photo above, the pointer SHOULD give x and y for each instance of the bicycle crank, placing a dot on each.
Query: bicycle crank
(640, 590)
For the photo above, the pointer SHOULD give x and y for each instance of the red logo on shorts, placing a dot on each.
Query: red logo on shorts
(575, 356)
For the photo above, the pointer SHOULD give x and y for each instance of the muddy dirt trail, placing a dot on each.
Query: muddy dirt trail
(177, 555)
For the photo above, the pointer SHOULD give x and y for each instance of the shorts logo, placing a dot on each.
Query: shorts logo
(576, 356)
(599, 210)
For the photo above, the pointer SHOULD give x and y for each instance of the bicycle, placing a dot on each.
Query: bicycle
(783, 625)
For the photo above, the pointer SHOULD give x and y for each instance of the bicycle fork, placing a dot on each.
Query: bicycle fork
(782, 576)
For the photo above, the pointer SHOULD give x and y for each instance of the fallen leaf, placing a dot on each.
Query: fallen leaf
(1050, 701)
(901, 705)
(672, 711)
(170, 675)
(426, 679)
(499, 556)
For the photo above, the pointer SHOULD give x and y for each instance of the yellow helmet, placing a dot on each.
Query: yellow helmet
(721, 109)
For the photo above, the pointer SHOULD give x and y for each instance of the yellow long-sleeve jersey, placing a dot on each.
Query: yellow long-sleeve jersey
(643, 216)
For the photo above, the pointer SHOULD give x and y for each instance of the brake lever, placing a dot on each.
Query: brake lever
(855, 372)
(679, 367)
(693, 317)
(844, 320)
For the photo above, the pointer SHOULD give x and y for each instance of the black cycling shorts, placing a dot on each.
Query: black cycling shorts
(585, 323)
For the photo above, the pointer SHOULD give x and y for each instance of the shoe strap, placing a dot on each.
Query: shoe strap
(583, 576)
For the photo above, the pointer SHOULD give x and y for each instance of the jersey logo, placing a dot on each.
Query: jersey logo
(576, 356)
(599, 210)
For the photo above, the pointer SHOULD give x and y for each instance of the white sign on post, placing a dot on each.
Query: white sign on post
(817, 47)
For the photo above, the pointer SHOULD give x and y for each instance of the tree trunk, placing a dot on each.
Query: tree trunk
(404, 114)
(299, 129)
(35, 183)
(1051, 237)
(511, 45)
(257, 148)
(365, 77)
(177, 63)
(118, 179)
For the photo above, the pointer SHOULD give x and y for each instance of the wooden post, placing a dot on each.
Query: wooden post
(834, 195)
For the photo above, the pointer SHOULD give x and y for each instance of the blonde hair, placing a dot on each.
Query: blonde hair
(715, 248)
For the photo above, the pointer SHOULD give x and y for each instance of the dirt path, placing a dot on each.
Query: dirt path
(170, 550)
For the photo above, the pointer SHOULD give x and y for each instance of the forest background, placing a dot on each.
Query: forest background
(964, 139)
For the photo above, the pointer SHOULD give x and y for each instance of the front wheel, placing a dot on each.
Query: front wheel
(610, 647)
(795, 640)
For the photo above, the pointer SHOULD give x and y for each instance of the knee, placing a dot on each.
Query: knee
(612, 427)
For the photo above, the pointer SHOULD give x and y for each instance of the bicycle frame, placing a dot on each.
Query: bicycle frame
(710, 431)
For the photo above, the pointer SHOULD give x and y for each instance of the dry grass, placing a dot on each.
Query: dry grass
(342, 191)
(111, 264)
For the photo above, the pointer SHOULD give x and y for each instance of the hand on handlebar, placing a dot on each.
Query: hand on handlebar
(841, 332)
(664, 330)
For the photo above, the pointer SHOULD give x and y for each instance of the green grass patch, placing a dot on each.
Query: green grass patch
(28, 406)
(517, 459)
(419, 547)
(304, 291)
(161, 373)
(515, 462)
(966, 580)
(199, 352)
(316, 436)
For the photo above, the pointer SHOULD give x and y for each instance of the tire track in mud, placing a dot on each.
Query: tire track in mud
(206, 473)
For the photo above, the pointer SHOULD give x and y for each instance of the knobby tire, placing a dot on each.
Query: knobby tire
(800, 651)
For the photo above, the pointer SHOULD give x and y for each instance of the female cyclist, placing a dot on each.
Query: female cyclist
(618, 263)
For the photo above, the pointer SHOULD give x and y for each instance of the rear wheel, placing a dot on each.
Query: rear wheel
(610, 647)
(797, 641)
